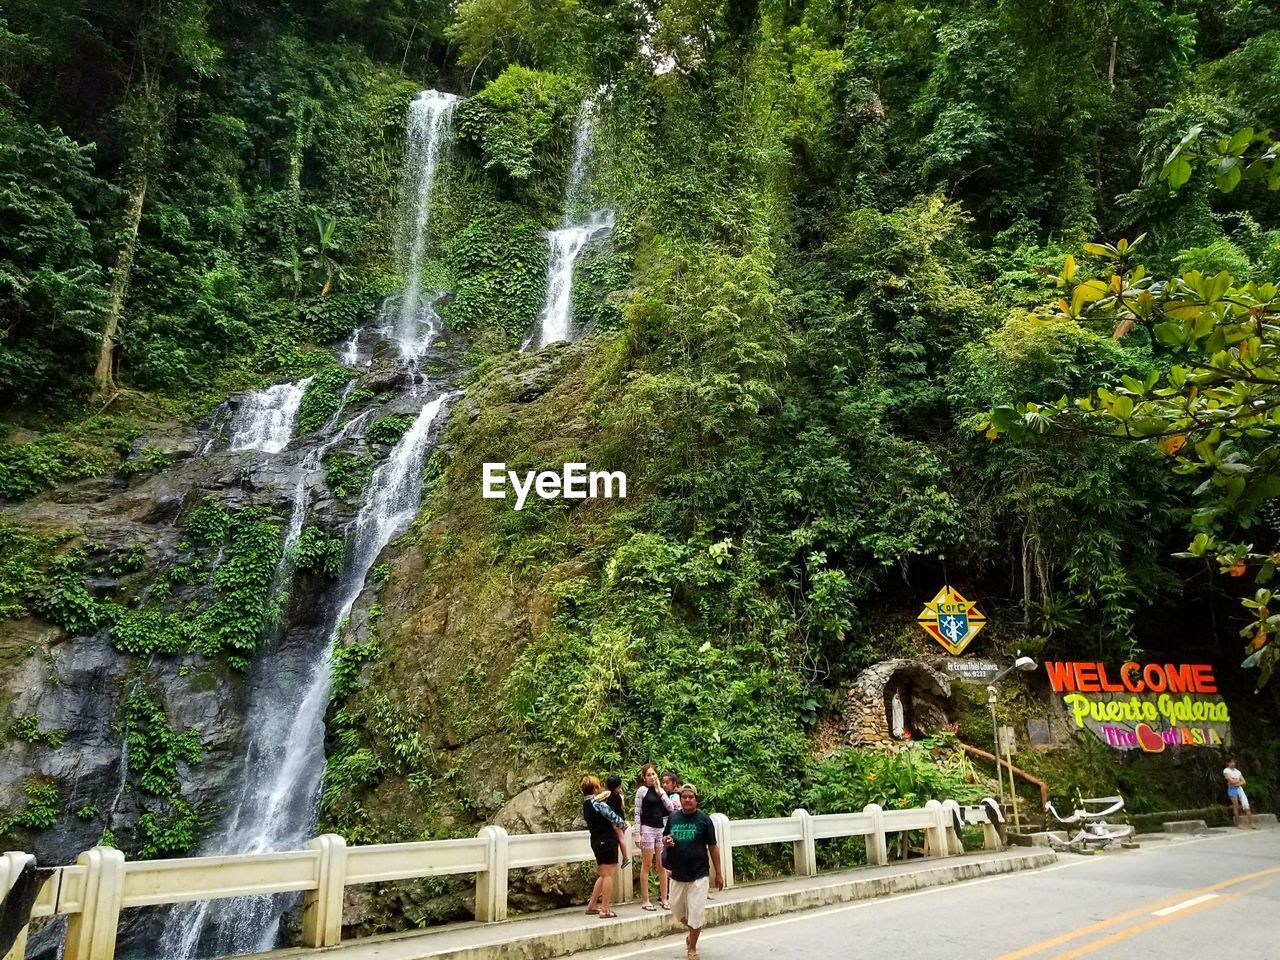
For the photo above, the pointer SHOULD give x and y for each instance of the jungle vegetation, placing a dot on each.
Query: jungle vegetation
(863, 249)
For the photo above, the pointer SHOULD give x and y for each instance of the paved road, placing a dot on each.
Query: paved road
(1215, 897)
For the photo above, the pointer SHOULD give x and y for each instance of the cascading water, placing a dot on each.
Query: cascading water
(265, 419)
(430, 132)
(302, 488)
(280, 784)
(280, 781)
(555, 321)
(584, 128)
(349, 355)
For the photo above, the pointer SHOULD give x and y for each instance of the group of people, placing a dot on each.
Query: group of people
(676, 840)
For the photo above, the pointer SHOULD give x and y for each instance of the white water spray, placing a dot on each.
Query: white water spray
(265, 419)
(555, 321)
(430, 133)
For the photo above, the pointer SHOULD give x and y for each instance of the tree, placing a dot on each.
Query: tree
(1206, 393)
(171, 37)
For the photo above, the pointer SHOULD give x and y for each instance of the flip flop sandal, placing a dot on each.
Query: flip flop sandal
(647, 906)
(607, 916)
(592, 911)
(664, 905)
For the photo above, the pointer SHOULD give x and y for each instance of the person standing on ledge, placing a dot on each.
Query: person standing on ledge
(1235, 790)
(690, 839)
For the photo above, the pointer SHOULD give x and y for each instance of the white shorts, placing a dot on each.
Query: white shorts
(689, 901)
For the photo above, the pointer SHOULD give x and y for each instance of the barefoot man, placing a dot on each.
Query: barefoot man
(1235, 790)
(690, 837)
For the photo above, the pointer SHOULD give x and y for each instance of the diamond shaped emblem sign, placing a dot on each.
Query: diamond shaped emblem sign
(951, 620)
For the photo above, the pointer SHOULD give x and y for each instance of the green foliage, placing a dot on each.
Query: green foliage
(322, 398)
(229, 622)
(934, 769)
(347, 662)
(89, 448)
(618, 668)
(157, 753)
(41, 810)
(346, 474)
(1207, 407)
(336, 315)
(39, 576)
(52, 289)
(499, 257)
(313, 552)
(26, 727)
(155, 750)
(388, 430)
(516, 118)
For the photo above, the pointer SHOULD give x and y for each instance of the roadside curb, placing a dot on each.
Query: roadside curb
(588, 933)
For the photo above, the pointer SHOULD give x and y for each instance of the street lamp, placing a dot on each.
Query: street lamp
(1024, 664)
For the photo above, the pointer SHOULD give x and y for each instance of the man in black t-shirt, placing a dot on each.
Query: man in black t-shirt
(690, 839)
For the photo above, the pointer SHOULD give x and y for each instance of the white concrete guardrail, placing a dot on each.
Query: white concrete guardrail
(101, 883)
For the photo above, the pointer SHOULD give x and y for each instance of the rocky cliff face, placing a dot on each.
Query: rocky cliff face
(74, 701)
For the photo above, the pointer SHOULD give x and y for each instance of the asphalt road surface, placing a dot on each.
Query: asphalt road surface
(1213, 897)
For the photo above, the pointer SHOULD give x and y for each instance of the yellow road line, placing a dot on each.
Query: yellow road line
(1130, 915)
(1138, 928)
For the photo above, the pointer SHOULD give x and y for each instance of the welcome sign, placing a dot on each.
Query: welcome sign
(1149, 706)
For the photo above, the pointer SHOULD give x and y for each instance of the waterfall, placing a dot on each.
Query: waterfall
(349, 355)
(265, 419)
(555, 320)
(301, 498)
(584, 128)
(280, 782)
(430, 132)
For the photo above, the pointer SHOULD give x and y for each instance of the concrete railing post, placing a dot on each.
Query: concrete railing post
(91, 933)
(991, 826)
(322, 907)
(935, 835)
(806, 851)
(624, 884)
(954, 822)
(724, 843)
(877, 839)
(491, 884)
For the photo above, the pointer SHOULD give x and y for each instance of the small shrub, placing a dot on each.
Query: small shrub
(388, 430)
(346, 474)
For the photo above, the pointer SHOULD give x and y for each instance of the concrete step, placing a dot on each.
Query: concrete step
(1185, 826)
(1037, 838)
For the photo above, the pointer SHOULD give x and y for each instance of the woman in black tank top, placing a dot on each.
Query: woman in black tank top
(652, 807)
(604, 844)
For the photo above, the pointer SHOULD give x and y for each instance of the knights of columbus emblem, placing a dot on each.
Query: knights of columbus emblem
(951, 620)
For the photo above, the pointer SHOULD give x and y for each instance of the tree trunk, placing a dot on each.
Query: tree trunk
(104, 375)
